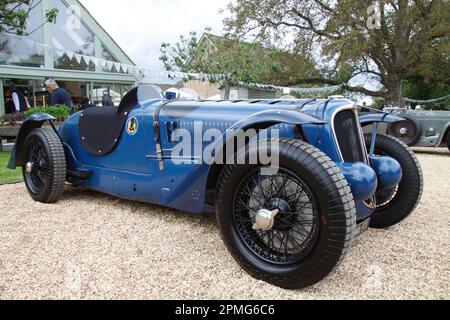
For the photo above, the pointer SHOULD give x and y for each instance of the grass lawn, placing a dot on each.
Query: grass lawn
(6, 175)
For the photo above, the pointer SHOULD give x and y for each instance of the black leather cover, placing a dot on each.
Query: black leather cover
(101, 127)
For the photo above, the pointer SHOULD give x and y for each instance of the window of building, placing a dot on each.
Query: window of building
(107, 55)
(70, 34)
(25, 51)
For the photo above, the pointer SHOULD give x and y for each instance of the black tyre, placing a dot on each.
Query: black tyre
(448, 141)
(395, 205)
(44, 171)
(408, 131)
(315, 224)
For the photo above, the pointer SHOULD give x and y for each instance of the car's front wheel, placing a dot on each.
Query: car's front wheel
(396, 204)
(44, 171)
(291, 228)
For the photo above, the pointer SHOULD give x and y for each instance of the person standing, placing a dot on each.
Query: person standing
(107, 100)
(58, 96)
(18, 98)
(85, 104)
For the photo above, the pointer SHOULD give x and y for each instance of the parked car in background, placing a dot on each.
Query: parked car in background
(421, 128)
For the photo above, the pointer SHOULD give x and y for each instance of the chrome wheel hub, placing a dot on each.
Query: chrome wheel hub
(265, 219)
(403, 131)
(29, 167)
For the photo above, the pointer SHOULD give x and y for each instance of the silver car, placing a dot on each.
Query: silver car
(421, 128)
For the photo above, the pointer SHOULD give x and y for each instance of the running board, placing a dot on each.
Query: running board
(77, 177)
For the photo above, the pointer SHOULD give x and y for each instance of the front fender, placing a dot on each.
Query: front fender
(32, 122)
(366, 119)
(361, 178)
(388, 170)
(258, 121)
(264, 120)
(443, 134)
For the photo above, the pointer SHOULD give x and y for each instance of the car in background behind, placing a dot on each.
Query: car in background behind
(421, 128)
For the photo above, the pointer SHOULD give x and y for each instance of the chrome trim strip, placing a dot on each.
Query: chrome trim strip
(361, 137)
(333, 127)
(372, 202)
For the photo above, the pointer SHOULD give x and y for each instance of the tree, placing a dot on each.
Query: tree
(239, 61)
(431, 80)
(14, 15)
(383, 40)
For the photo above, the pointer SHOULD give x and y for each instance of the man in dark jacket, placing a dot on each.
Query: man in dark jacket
(59, 96)
(107, 100)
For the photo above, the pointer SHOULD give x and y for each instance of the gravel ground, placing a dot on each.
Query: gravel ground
(92, 246)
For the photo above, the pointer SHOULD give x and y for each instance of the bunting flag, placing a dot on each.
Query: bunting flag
(70, 55)
(78, 58)
(286, 90)
(427, 101)
(145, 72)
(106, 64)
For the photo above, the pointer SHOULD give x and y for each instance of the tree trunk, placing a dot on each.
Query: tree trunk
(394, 95)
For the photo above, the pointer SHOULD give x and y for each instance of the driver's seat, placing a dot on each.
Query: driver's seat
(100, 128)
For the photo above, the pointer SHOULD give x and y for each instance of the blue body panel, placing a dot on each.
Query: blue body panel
(132, 170)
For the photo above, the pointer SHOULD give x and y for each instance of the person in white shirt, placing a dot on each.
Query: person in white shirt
(19, 100)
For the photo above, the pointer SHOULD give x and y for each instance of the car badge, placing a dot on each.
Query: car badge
(132, 126)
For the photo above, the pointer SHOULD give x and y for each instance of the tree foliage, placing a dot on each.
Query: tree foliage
(431, 80)
(382, 40)
(239, 61)
(14, 15)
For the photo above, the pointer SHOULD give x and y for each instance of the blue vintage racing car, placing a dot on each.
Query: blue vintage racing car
(289, 222)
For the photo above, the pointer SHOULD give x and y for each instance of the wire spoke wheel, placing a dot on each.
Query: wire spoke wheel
(37, 171)
(385, 196)
(44, 165)
(292, 228)
(295, 227)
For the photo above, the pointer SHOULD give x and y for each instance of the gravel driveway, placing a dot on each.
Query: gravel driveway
(94, 246)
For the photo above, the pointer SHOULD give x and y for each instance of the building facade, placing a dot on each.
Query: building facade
(61, 51)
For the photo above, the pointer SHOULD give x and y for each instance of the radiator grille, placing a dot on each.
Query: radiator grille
(347, 134)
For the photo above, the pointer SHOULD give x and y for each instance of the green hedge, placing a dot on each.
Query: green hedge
(59, 112)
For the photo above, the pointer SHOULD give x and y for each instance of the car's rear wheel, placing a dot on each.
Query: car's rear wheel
(291, 228)
(44, 171)
(409, 131)
(396, 204)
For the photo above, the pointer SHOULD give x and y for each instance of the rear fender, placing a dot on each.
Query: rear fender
(367, 119)
(35, 121)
